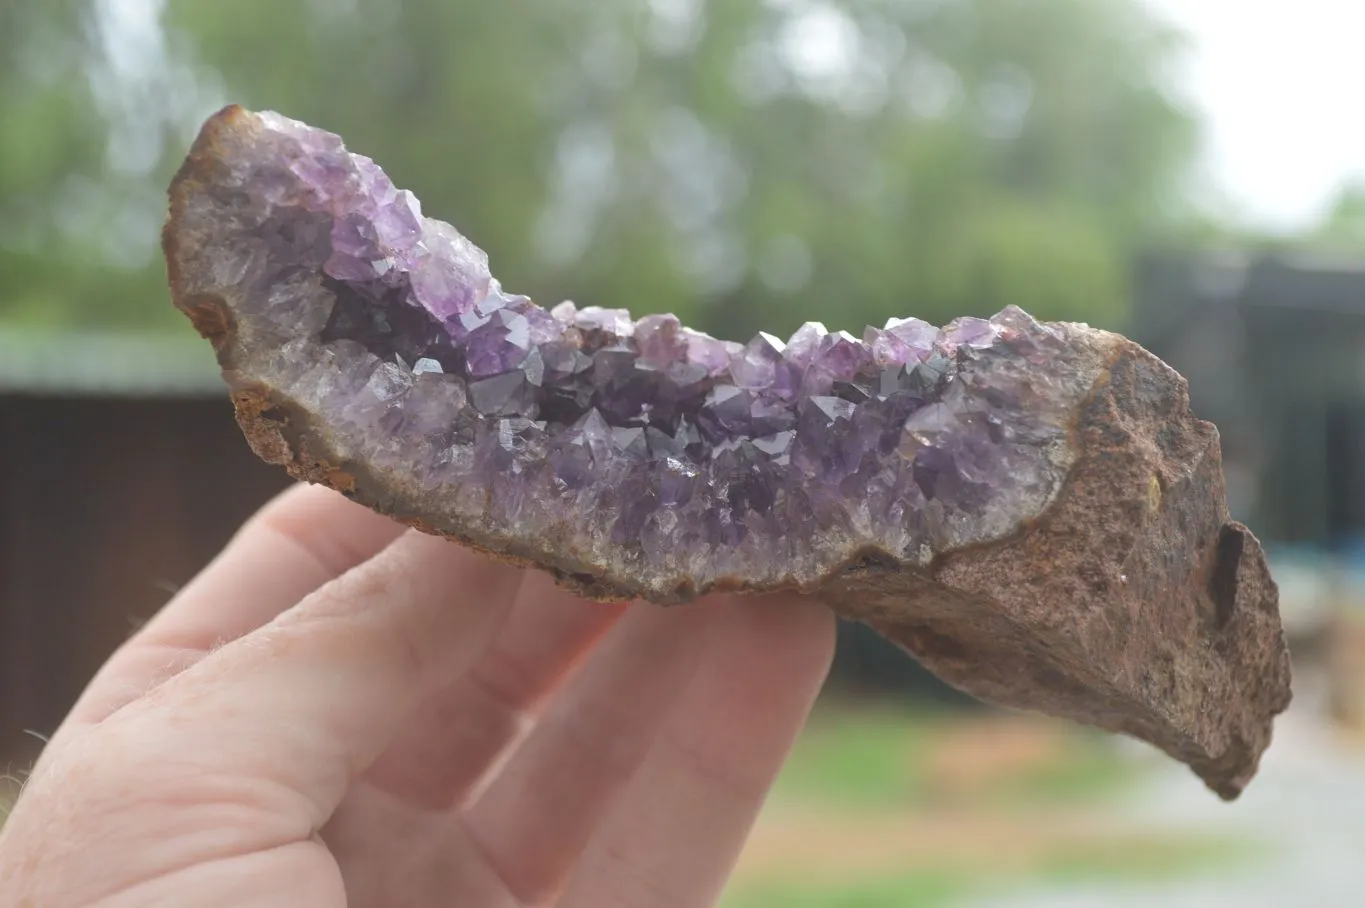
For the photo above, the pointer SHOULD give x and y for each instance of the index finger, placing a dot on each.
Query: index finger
(299, 541)
(309, 701)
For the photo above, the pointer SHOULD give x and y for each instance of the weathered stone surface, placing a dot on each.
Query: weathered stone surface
(1029, 508)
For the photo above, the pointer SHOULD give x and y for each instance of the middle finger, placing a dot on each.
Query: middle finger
(539, 813)
(454, 739)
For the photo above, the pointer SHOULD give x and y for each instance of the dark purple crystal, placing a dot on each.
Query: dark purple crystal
(500, 344)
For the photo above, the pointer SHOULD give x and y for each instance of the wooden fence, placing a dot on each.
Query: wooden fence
(106, 505)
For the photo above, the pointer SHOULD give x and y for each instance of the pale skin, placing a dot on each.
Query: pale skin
(338, 712)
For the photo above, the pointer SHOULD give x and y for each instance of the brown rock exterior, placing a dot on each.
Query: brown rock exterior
(1133, 603)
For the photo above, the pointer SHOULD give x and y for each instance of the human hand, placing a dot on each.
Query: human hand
(337, 712)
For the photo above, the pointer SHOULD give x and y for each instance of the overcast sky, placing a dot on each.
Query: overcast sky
(1281, 84)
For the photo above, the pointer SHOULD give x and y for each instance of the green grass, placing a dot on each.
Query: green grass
(1131, 860)
(865, 766)
(1091, 771)
(923, 889)
(877, 758)
(1147, 858)
(864, 759)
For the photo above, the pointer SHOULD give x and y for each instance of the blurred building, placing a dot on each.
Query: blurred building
(1274, 350)
(121, 473)
(1273, 346)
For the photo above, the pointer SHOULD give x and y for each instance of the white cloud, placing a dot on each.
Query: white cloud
(1280, 85)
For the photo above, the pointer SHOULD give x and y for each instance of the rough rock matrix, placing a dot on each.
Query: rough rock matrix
(1028, 508)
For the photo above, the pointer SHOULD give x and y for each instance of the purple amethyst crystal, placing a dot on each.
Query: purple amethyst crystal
(1029, 508)
(715, 433)
(760, 366)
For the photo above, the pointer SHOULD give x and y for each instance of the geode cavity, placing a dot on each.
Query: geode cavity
(1029, 508)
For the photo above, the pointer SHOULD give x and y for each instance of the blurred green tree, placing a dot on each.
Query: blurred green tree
(747, 163)
(93, 106)
(1344, 226)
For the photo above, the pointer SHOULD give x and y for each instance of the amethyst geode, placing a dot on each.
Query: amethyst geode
(1027, 507)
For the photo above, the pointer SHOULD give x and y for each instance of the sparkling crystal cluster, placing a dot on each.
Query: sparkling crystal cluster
(1031, 509)
(701, 457)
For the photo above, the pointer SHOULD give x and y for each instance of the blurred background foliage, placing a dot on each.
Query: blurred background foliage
(752, 163)
(1344, 226)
